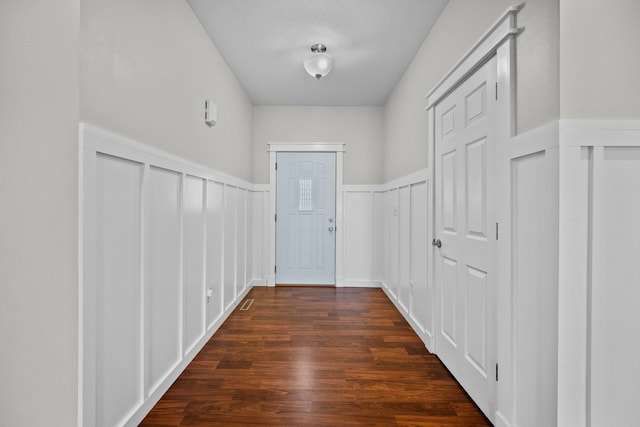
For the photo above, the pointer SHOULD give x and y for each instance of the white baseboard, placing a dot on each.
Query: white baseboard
(258, 282)
(357, 284)
(501, 421)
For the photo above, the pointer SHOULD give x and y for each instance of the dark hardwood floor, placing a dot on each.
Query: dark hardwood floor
(310, 356)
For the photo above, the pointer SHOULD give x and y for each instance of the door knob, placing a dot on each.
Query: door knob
(330, 229)
(437, 242)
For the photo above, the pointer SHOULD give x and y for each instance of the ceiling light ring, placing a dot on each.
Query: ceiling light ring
(318, 48)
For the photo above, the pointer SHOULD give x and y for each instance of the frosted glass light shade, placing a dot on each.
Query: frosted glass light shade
(319, 65)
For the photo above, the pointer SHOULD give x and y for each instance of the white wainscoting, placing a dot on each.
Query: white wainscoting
(260, 221)
(159, 233)
(386, 244)
(359, 217)
(599, 319)
(527, 263)
(168, 250)
(569, 209)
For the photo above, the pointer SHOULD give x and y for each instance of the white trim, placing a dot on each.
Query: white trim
(501, 421)
(121, 146)
(422, 175)
(261, 188)
(486, 46)
(81, 259)
(600, 133)
(573, 246)
(319, 147)
(372, 188)
(417, 177)
(542, 138)
(360, 284)
(307, 147)
(505, 404)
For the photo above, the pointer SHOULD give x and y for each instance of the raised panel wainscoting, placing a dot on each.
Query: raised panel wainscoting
(169, 248)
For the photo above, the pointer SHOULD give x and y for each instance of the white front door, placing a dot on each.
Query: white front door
(465, 234)
(305, 218)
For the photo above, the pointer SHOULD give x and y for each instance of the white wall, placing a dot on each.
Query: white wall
(146, 68)
(160, 233)
(38, 212)
(461, 24)
(599, 63)
(360, 128)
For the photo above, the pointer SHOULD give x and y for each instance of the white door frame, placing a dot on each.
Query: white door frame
(274, 149)
(498, 41)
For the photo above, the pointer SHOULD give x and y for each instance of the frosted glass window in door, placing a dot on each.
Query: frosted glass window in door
(305, 188)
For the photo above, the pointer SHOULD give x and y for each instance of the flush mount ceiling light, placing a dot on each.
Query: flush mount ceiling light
(320, 64)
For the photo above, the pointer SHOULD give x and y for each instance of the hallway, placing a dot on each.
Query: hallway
(315, 356)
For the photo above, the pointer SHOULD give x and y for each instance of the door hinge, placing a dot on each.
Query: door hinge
(497, 231)
(496, 372)
(276, 165)
(275, 268)
(275, 218)
(496, 91)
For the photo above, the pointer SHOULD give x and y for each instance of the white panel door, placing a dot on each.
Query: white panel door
(305, 212)
(464, 269)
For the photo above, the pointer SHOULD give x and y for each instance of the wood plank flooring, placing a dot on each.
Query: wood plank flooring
(311, 356)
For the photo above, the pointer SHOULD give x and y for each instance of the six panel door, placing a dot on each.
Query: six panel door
(464, 127)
